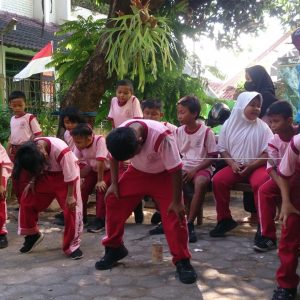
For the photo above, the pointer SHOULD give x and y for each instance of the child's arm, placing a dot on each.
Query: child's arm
(8, 147)
(189, 175)
(248, 168)
(71, 201)
(2, 189)
(100, 185)
(236, 167)
(287, 207)
(114, 173)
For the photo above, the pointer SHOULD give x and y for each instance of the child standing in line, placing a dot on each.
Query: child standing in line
(195, 141)
(243, 144)
(54, 174)
(5, 171)
(23, 128)
(92, 149)
(152, 110)
(289, 182)
(280, 116)
(125, 105)
(155, 170)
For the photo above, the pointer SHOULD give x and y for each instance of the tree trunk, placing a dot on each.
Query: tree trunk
(90, 85)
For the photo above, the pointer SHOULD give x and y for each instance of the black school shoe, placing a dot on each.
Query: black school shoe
(77, 254)
(110, 258)
(284, 294)
(157, 230)
(96, 225)
(3, 241)
(222, 227)
(156, 218)
(31, 241)
(59, 219)
(264, 244)
(139, 214)
(185, 271)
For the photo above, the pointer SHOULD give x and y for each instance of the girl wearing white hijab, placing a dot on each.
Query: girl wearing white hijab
(243, 143)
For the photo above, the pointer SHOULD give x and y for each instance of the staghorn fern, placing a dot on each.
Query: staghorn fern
(135, 45)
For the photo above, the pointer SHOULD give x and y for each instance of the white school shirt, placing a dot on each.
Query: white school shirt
(61, 159)
(159, 151)
(5, 163)
(97, 151)
(291, 160)
(194, 146)
(121, 113)
(170, 126)
(69, 140)
(22, 128)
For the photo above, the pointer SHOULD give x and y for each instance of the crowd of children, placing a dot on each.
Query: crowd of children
(143, 156)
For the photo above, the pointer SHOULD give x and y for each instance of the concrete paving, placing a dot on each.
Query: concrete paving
(228, 268)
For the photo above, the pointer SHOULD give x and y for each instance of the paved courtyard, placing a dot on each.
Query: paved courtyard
(228, 268)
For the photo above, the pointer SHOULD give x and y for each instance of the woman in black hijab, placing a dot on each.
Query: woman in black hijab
(258, 79)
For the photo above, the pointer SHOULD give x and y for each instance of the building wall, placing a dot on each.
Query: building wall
(20, 7)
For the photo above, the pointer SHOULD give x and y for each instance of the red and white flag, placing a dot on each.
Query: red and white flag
(37, 64)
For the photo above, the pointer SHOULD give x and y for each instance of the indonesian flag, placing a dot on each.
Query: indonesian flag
(37, 64)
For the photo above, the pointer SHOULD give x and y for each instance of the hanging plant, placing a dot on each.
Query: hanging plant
(137, 43)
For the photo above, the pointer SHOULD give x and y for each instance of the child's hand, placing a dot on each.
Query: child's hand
(29, 187)
(188, 176)
(236, 167)
(101, 186)
(71, 203)
(2, 192)
(286, 210)
(113, 189)
(178, 209)
(245, 171)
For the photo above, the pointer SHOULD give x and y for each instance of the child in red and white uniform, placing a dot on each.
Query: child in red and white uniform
(5, 171)
(280, 116)
(195, 141)
(155, 170)
(152, 110)
(125, 105)
(288, 252)
(54, 175)
(243, 143)
(23, 128)
(92, 149)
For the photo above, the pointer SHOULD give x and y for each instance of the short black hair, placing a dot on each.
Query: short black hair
(16, 94)
(192, 103)
(282, 108)
(74, 115)
(122, 143)
(125, 82)
(29, 158)
(82, 129)
(151, 104)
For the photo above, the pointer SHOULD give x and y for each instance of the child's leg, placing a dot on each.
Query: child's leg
(175, 231)
(33, 203)
(223, 181)
(3, 215)
(73, 219)
(132, 187)
(288, 253)
(201, 182)
(256, 179)
(268, 198)
(87, 187)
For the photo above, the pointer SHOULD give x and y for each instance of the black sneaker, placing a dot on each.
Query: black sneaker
(31, 241)
(156, 218)
(264, 244)
(222, 227)
(157, 230)
(284, 294)
(3, 241)
(185, 271)
(110, 258)
(257, 236)
(96, 226)
(192, 233)
(139, 214)
(59, 221)
(77, 254)
(60, 215)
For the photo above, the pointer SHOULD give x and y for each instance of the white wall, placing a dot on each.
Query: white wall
(20, 7)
